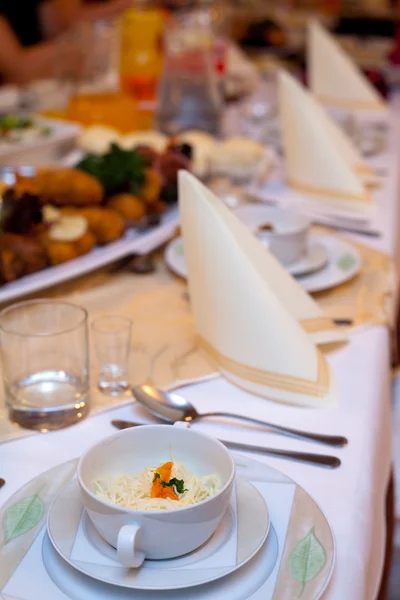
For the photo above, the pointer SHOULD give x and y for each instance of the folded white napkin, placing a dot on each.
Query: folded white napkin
(334, 78)
(247, 308)
(321, 163)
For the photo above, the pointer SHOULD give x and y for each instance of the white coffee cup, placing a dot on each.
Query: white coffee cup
(155, 534)
(288, 238)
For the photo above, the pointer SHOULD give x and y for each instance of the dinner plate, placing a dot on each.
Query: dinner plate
(238, 538)
(342, 262)
(296, 561)
(76, 585)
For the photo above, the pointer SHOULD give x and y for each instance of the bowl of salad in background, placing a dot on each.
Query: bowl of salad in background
(34, 140)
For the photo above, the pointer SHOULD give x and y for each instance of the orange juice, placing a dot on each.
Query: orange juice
(116, 110)
(141, 51)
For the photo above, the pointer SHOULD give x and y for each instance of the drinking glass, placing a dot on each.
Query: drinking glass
(112, 338)
(45, 363)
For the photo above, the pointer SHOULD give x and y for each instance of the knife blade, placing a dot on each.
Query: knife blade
(320, 460)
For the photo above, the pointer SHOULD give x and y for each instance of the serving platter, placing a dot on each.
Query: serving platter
(295, 561)
(134, 241)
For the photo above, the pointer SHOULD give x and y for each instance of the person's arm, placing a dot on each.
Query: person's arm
(58, 15)
(20, 65)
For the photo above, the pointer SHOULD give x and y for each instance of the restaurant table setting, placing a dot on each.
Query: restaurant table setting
(253, 313)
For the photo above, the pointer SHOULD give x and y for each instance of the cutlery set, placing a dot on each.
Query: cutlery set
(170, 408)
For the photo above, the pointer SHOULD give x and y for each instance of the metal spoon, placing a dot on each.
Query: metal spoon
(318, 460)
(171, 407)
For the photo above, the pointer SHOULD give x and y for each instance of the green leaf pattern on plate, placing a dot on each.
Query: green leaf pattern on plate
(346, 262)
(307, 560)
(179, 250)
(22, 517)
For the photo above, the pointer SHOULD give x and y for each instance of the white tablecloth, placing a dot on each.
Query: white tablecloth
(352, 497)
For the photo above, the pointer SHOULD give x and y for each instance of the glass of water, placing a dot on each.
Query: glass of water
(45, 363)
(112, 342)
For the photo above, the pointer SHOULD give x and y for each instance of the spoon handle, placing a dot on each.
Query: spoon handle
(329, 440)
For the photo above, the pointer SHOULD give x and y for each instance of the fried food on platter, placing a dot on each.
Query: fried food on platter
(105, 224)
(68, 187)
(61, 252)
(158, 207)
(85, 243)
(130, 207)
(25, 185)
(150, 191)
(20, 255)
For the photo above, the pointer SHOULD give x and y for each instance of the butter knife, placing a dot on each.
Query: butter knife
(319, 460)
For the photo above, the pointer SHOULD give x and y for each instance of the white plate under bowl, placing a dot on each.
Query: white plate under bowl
(77, 586)
(315, 259)
(342, 262)
(67, 519)
(296, 561)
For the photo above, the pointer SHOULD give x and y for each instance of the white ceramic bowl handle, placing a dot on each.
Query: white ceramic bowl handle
(127, 546)
(266, 243)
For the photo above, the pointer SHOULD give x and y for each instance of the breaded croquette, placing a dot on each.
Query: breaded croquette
(68, 187)
(60, 252)
(105, 224)
(85, 243)
(128, 206)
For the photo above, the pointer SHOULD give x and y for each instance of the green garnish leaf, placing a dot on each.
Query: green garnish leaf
(179, 485)
(8, 122)
(118, 170)
(156, 476)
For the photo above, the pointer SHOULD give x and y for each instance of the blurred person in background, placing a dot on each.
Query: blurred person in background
(29, 30)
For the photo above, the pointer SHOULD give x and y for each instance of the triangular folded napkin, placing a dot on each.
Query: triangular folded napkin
(247, 308)
(333, 77)
(321, 163)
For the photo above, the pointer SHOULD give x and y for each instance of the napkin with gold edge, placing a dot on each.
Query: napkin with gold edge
(334, 78)
(301, 98)
(246, 307)
(321, 163)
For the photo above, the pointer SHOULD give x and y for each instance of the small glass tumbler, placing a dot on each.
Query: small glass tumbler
(45, 363)
(112, 342)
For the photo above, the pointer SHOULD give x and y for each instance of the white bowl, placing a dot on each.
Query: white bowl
(156, 534)
(288, 239)
(43, 150)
